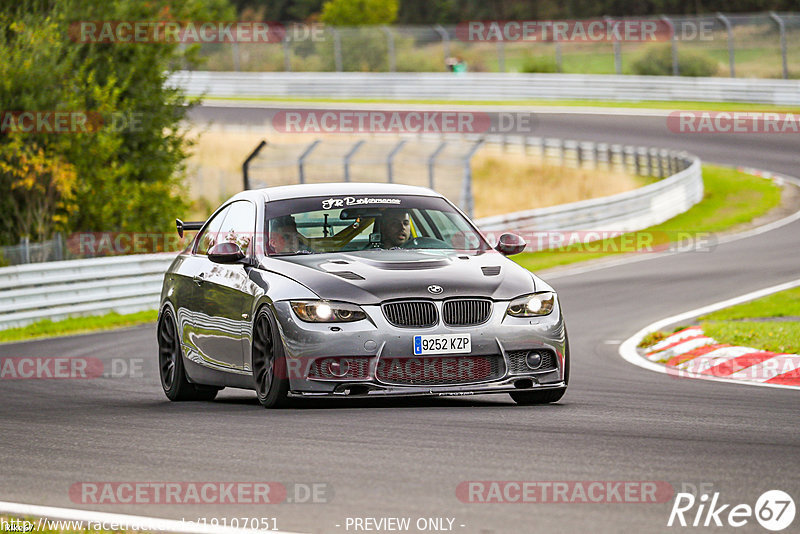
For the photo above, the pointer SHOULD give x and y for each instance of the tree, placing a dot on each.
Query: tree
(359, 12)
(127, 173)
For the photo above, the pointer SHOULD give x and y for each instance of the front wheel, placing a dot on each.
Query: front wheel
(170, 363)
(269, 362)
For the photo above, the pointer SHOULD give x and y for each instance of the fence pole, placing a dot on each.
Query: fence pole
(617, 48)
(246, 164)
(25, 249)
(501, 55)
(301, 161)
(287, 54)
(337, 49)
(674, 41)
(59, 245)
(390, 160)
(432, 162)
(782, 29)
(445, 40)
(467, 192)
(390, 50)
(559, 67)
(235, 51)
(731, 48)
(347, 158)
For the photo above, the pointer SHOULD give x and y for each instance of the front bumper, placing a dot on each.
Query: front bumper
(374, 340)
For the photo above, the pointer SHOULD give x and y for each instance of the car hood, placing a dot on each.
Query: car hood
(374, 276)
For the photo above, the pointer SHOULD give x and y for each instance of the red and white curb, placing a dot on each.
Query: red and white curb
(690, 351)
(691, 354)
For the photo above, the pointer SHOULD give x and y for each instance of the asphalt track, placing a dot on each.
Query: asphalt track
(405, 458)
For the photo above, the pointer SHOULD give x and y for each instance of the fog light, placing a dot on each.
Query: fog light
(533, 360)
(338, 368)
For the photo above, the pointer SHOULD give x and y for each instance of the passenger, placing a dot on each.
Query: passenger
(284, 237)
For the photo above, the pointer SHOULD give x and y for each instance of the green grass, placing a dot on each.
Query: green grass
(771, 336)
(667, 105)
(782, 304)
(731, 198)
(76, 325)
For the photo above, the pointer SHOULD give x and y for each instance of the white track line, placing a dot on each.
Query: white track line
(628, 347)
(127, 522)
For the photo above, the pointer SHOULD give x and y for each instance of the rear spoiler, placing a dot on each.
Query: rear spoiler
(188, 226)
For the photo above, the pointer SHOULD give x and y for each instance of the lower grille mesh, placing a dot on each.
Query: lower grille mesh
(517, 365)
(439, 370)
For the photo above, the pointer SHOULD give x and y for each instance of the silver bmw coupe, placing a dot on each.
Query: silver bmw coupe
(355, 290)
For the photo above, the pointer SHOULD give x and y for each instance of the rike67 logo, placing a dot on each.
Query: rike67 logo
(774, 510)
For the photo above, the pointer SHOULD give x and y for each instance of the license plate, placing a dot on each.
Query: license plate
(442, 344)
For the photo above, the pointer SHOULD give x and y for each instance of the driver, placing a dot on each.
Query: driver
(395, 228)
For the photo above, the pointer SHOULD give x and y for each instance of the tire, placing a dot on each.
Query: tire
(170, 365)
(547, 396)
(269, 362)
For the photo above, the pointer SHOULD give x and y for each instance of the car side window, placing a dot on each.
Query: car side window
(211, 235)
(240, 224)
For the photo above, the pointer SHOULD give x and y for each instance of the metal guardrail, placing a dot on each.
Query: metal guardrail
(61, 289)
(628, 211)
(485, 86)
(127, 284)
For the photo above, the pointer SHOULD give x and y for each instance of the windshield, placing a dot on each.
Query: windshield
(339, 224)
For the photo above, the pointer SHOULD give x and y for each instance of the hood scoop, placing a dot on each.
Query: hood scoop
(492, 270)
(348, 275)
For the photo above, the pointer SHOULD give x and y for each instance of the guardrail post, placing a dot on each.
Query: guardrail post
(596, 155)
(782, 29)
(392, 57)
(563, 146)
(348, 156)
(445, 40)
(468, 201)
(246, 164)
(543, 144)
(650, 166)
(301, 161)
(637, 162)
(610, 157)
(432, 162)
(674, 41)
(337, 49)
(390, 160)
(617, 48)
(579, 155)
(59, 245)
(731, 48)
(287, 54)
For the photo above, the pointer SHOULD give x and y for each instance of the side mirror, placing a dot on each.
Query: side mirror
(225, 253)
(510, 244)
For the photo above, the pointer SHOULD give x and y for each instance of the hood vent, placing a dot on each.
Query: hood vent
(348, 275)
(493, 270)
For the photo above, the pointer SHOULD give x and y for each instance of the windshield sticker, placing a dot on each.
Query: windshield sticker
(352, 201)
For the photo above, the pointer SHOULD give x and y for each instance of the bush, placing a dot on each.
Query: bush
(539, 64)
(656, 60)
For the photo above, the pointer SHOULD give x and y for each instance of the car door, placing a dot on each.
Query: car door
(226, 294)
(192, 312)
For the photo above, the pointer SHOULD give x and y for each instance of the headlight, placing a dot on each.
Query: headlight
(532, 305)
(323, 311)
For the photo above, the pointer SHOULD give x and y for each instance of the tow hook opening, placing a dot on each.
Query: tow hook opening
(352, 389)
(523, 383)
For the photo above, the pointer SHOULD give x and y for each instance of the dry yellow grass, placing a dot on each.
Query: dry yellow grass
(503, 181)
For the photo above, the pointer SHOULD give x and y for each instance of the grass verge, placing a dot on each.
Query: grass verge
(76, 325)
(759, 323)
(731, 198)
(646, 104)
